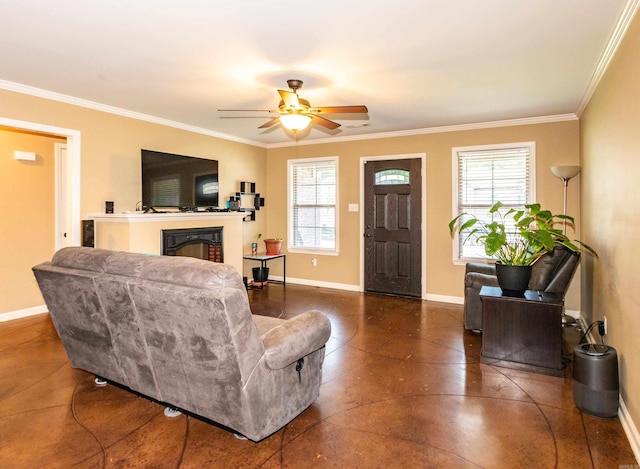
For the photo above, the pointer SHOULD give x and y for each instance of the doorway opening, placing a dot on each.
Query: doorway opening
(68, 182)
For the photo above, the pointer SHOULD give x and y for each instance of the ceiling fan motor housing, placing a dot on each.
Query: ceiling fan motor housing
(295, 84)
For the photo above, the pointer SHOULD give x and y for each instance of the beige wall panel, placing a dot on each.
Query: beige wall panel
(611, 207)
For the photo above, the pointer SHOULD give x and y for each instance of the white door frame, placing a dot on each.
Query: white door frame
(423, 256)
(72, 170)
(60, 194)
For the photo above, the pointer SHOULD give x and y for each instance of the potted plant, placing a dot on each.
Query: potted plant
(273, 246)
(516, 237)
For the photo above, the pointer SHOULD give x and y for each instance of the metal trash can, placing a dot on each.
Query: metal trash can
(595, 379)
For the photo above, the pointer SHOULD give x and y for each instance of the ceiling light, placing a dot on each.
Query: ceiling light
(295, 121)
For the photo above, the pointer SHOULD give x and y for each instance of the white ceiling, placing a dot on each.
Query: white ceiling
(416, 64)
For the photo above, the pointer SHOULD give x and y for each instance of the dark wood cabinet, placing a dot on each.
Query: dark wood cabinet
(522, 332)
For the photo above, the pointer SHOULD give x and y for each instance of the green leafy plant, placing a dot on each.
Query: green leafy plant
(517, 236)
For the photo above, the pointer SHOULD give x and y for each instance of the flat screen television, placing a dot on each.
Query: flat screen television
(170, 180)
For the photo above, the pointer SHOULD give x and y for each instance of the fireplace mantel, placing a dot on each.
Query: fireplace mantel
(142, 232)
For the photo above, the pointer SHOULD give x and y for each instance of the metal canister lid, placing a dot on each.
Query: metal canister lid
(594, 349)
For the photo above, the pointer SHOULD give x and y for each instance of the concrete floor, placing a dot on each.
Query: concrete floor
(402, 387)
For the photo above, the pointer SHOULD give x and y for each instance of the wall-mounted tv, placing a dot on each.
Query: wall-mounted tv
(170, 180)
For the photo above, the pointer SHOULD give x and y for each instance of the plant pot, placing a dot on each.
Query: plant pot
(260, 274)
(273, 246)
(513, 279)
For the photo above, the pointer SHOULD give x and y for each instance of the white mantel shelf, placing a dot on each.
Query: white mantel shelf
(142, 232)
(141, 217)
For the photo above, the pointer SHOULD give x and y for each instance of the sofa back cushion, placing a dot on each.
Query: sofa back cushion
(552, 273)
(156, 324)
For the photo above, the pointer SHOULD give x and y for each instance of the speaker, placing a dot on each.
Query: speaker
(108, 207)
(595, 380)
(88, 234)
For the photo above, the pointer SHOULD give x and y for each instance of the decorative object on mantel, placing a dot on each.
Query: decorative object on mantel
(273, 246)
(517, 237)
(249, 189)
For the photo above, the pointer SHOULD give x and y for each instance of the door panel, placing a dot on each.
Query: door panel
(393, 238)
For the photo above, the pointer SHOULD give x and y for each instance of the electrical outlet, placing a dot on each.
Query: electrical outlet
(314, 262)
(604, 319)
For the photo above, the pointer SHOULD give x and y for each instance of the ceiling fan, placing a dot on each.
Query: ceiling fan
(296, 113)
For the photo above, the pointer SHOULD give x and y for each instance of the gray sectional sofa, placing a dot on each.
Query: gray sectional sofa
(180, 331)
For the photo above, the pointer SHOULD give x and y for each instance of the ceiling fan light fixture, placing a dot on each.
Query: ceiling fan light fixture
(295, 121)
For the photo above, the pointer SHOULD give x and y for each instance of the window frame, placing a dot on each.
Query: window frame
(455, 159)
(290, 207)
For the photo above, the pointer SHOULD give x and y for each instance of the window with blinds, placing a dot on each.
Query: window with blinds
(486, 175)
(312, 204)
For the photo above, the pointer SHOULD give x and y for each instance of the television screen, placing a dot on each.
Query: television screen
(170, 180)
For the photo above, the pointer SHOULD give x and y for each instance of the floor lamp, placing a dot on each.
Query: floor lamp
(565, 173)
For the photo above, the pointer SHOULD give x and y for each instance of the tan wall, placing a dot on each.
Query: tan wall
(110, 160)
(611, 207)
(27, 224)
(556, 143)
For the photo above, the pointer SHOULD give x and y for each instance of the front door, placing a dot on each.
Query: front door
(393, 235)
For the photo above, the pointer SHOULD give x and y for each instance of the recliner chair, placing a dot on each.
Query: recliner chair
(552, 273)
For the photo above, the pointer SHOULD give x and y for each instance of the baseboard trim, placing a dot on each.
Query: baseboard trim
(316, 283)
(458, 300)
(630, 429)
(23, 313)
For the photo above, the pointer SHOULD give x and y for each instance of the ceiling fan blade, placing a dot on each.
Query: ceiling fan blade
(290, 99)
(323, 122)
(270, 123)
(247, 110)
(340, 110)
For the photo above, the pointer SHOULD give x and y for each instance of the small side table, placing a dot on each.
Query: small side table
(522, 332)
(264, 258)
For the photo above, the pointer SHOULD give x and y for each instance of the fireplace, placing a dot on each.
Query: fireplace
(202, 243)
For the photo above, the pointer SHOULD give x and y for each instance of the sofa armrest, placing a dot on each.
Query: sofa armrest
(488, 269)
(296, 338)
(478, 280)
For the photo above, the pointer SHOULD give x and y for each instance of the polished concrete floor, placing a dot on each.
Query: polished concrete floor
(402, 387)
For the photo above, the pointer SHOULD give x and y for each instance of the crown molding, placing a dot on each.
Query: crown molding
(435, 130)
(40, 93)
(619, 31)
(63, 98)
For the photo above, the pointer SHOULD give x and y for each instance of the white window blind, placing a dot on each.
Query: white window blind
(313, 195)
(166, 192)
(486, 176)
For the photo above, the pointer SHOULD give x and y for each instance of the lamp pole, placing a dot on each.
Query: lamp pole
(565, 173)
(565, 184)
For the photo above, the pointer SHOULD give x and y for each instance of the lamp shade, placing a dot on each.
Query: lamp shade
(565, 172)
(295, 121)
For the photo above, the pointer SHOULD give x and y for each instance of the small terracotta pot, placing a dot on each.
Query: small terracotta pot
(273, 246)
